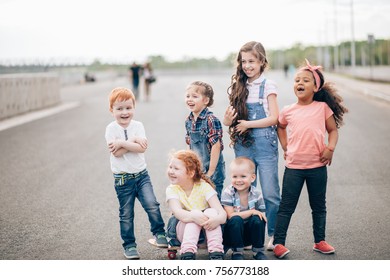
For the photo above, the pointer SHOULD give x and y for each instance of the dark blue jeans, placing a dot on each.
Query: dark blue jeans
(238, 233)
(293, 180)
(128, 189)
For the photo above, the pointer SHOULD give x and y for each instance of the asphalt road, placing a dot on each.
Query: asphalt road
(57, 199)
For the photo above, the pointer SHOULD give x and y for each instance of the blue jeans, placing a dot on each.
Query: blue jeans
(127, 190)
(293, 180)
(264, 153)
(238, 233)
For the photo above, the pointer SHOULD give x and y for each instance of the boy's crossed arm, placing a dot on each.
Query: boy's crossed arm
(119, 147)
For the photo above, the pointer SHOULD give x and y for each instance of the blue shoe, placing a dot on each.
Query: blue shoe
(237, 256)
(174, 243)
(260, 256)
(161, 240)
(131, 253)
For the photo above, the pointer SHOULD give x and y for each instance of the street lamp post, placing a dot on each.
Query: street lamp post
(353, 56)
(336, 48)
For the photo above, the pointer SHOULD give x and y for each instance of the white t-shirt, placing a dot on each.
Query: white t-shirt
(254, 87)
(130, 162)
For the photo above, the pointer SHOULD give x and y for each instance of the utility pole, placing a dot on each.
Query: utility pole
(353, 56)
(336, 47)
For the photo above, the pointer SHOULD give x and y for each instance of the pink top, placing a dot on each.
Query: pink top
(306, 132)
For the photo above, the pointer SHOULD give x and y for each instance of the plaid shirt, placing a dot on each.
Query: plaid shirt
(214, 127)
(230, 197)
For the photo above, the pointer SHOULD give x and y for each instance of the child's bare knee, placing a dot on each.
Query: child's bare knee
(210, 212)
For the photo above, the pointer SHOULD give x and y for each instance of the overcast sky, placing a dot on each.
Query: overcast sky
(127, 30)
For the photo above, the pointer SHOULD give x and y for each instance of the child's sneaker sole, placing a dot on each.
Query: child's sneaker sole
(280, 251)
(323, 247)
(326, 253)
(131, 257)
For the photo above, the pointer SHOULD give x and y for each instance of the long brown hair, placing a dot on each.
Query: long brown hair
(238, 92)
(193, 164)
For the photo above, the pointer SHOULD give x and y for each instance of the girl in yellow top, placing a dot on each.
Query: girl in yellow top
(194, 202)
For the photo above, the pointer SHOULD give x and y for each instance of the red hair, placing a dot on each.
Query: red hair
(193, 164)
(120, 94)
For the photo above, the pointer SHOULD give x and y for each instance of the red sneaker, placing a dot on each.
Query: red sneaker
(323, 247)
(280, 251)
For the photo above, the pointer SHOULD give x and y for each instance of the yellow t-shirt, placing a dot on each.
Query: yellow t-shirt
(198, 198)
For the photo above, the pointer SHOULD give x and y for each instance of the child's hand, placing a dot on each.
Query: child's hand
(141, 141)
(198, 217)
(242, 126)
(114, 145)
(230, 115)
(326, 157)
(211, 223)
(260, 214)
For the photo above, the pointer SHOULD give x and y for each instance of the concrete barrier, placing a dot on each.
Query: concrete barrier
(21, 93)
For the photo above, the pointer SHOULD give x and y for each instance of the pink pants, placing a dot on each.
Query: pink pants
(188, 235)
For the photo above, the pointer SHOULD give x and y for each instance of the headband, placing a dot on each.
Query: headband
(313, 69)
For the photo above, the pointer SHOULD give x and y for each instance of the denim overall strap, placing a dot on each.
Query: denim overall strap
(256, 110)
(199, 143)
(261, 92)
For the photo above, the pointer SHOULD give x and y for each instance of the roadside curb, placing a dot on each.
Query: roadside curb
(35, 115)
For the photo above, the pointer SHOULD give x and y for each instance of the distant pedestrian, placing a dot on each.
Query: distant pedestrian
(318, 111)
(245, 209)
(252, 118)
(285, 69)
(149, 78)
(127, 143)
(194, 202)
(135, 73)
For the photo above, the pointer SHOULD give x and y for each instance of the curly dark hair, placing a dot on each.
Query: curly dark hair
(328, 93)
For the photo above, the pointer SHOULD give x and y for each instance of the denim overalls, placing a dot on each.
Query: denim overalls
(198, 143)
(264, 152)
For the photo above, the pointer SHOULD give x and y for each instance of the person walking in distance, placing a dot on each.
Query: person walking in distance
(135, 72)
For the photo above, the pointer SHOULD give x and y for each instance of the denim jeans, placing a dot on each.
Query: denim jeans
(239, 233)
(264, 153)
(293, 180)
(171, 227)
(127, 191)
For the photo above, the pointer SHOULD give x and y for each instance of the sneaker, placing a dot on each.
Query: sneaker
(216, 256)
(237, 256)
(323, 247)
(260, 256)
(131, 253)
(187, 256)
(174, 243)
(161, 240)
(280, 251)
(249, 247)
(270, 245)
